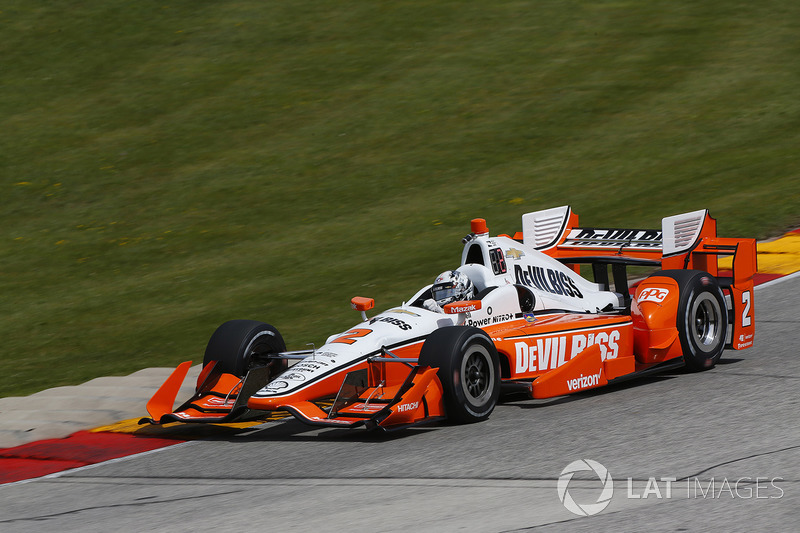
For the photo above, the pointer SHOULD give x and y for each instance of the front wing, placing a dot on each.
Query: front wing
(363, 399)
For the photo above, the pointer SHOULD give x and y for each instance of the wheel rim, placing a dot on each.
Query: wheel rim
(706, 322)
(478, 375)
(258, 351)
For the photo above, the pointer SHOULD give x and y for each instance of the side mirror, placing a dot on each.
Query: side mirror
(461, 309)
(362, 304)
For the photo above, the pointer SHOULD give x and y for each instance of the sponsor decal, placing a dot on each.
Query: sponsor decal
(513, 253)
(374, 408)
(613, 238)
(330, 420)
(479, 323)
(529, 317)
(402, 311)
(309, 366)
(463, 308)
(278, 384)
(403, 407)
(653, 294)
(547, 353)
(548, 280)
(583, 382)
(405, 326)
(213, 400)
(294, 376)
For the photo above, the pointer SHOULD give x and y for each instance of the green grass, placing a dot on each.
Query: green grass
(167, 166)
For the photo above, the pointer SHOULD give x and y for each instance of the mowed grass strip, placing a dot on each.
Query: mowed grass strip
(167, 166)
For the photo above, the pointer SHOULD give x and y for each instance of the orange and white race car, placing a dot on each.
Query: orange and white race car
(531, 323)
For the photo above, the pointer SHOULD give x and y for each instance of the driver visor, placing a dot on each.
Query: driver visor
(443, 291)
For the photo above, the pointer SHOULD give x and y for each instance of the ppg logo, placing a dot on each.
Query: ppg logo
(653, 294)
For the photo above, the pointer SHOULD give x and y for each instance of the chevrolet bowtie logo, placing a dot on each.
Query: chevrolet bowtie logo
(513, 253)
(402, 312)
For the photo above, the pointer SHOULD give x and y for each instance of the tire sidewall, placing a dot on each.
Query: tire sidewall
(476, 346)
(453, 350)
(234, 343)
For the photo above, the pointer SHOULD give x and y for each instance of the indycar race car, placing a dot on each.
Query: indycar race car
(533, 325)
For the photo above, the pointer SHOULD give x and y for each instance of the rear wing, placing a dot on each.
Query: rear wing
(688, 240)
(684, 241)
(556, 232)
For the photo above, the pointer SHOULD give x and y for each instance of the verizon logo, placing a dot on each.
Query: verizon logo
(583, 382)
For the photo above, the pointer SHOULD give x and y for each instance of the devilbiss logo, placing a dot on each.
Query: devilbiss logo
(585, 509)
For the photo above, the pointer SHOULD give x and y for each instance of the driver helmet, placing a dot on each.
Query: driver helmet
(452, 286)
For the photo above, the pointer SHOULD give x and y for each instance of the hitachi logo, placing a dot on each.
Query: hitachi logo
(407, 407)
(583, 382)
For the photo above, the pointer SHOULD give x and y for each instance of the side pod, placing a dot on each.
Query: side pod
(587, 370)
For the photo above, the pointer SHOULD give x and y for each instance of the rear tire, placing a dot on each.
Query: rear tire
(239, 345)
(469, 370)
(702, 319)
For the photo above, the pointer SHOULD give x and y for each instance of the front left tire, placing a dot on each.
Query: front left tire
(469, 371)
(239, 345)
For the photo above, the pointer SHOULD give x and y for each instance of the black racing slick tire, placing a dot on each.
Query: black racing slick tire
(469, 370)
(239, 345)
(702, 319)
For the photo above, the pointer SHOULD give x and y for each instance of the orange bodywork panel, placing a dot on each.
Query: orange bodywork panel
(586, 370)
(654, 310)
(163, 400)
(468, 306)
(216, 397)
(552, 341)
(424, 399)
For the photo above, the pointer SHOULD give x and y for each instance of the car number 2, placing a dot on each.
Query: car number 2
(349, 337)
(746, 319)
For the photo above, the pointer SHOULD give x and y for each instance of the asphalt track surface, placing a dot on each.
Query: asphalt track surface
(729, 437)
